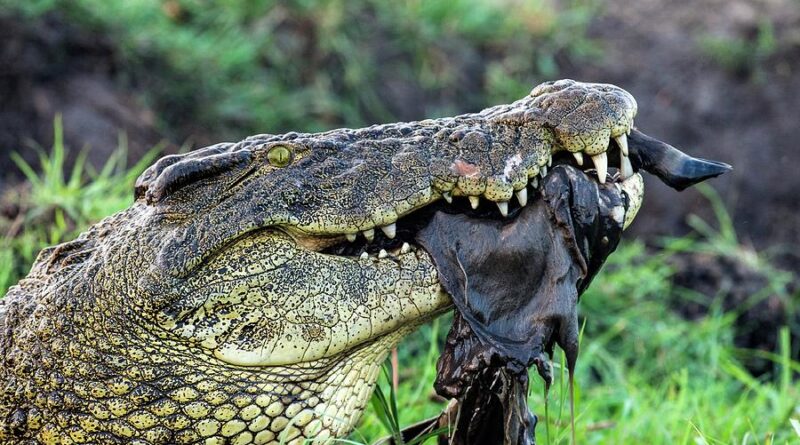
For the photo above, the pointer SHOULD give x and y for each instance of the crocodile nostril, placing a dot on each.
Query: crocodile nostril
(457, 135)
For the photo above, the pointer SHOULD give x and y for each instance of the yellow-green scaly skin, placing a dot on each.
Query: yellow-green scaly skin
(206, 312)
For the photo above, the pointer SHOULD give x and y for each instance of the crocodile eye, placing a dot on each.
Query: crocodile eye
(279, 156)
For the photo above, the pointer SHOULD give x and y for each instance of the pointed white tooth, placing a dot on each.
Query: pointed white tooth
(448, 197)
(369, 234)
(578, 157)
(550, 161)
(625, 167)
(601, 165)
(535, 183)
(474, 201)
(503, 206)
(406, 248)
(390, 230)
(364, 255)
(622, 141)
(543, 172)
(350, 237)
(382, 254)
(522, 196)
(629, 131)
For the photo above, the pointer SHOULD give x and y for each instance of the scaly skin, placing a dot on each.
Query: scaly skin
(208, 311)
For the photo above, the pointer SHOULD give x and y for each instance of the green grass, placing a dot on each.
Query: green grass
(645, 375)
(56, 207)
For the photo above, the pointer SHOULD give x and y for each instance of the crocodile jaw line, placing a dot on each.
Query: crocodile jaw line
(296, 305)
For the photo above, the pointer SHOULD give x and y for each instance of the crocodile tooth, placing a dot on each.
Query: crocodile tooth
(364, 255)
(550, 161)
(535, 183)
(522, 196)
(390, 230)
(382, 254)
(543, 172)
(622, 141)
(350, 237)
(578, 157)
(625, 167)
(448, 197)
(503, 206)
(601, 165)
(369, 234)
(629, 130)
(405, 248)
(474, 201)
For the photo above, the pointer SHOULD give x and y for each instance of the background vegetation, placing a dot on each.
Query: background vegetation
(234, 66)
(646, 374)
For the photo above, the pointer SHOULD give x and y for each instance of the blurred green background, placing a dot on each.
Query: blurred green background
(692, 332)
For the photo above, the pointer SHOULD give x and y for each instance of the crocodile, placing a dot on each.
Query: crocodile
(253, 290)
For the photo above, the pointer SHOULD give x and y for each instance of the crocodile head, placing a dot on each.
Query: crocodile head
(254, 288)
(309, 238)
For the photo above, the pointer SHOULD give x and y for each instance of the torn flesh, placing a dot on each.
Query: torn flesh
(509, 318)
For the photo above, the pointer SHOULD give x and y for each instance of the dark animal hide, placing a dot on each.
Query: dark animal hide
(515, 285)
